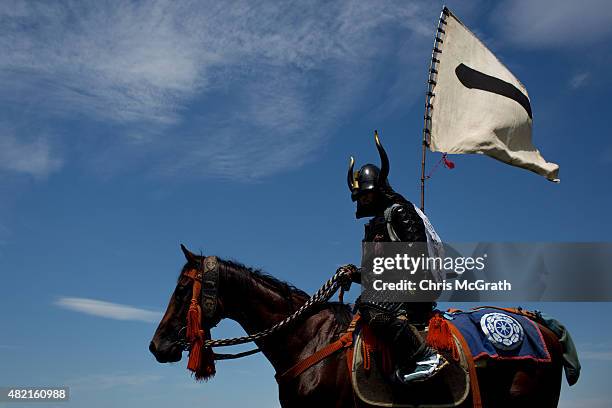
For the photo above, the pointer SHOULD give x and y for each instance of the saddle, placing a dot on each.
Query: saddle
(368, 362)
(371, 365)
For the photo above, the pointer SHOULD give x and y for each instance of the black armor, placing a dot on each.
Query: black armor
(392, 320)
(408, 226)
(389, 211)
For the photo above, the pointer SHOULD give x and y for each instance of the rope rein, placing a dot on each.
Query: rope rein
(330, 287)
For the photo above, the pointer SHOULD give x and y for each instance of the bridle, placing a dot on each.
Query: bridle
(203, 306)
(205, 277)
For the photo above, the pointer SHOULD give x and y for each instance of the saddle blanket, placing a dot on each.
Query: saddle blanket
(500, 335)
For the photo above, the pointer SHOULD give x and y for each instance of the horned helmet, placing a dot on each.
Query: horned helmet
(369, 177)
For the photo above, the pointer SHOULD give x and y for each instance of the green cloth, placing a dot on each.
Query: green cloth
(571, 364)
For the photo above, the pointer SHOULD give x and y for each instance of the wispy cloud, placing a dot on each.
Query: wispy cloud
(106, 381)
(107, 309)
(118, 61)
(551, 23)
(579, 80)
(261, 82)
(601, 355)
(32, 157)
(599, 351)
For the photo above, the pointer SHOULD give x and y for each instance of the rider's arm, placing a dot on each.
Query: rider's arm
(356, 276)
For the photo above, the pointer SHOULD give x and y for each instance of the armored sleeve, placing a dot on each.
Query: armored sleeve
(356, 276)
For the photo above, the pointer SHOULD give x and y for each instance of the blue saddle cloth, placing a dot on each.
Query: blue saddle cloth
(532, 346)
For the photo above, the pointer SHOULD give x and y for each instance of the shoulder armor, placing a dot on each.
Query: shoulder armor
(406, 223)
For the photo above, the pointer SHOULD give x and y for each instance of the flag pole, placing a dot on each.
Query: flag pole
(423, 173)
(431, 83)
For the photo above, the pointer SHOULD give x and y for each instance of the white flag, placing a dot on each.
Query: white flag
(478, 106)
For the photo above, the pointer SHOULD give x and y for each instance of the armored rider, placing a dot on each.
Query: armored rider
(393, 219)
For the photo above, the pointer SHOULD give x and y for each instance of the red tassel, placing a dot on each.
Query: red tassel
(194, 327)
(194, 336)
(207, 364)
(201, 360)
(439, 335)
(194, 356)
(449, 164)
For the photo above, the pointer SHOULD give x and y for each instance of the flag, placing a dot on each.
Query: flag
(476, 105)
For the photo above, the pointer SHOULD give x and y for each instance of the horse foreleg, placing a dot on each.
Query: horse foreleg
(324, 385)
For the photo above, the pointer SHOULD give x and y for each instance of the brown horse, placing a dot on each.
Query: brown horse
(257, 301)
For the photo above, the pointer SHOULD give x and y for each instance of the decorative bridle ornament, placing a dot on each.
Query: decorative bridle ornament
(203, 304)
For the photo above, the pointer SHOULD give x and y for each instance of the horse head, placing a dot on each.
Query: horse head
(190, 315)
(211, 289)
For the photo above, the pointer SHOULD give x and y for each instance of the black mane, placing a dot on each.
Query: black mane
(281, 286)
(341, 311)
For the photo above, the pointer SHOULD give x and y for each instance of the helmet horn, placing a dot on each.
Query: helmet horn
(349, 177)
(384, 160)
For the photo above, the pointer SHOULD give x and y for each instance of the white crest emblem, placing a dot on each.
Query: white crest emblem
(504, 331)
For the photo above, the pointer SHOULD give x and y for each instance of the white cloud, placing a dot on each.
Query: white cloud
(263, 82)
(109, 310)
(29, 157)
(579, 80)
(106, 381)
(553, 23)
(113, 61)
(601, 355)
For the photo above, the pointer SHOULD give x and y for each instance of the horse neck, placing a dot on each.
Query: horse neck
(257, 304)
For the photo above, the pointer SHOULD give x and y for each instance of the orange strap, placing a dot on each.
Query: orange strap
(368, 345)
(476, 401)
(349, 359)
(350, 352)
(528, 314)
(345, 341)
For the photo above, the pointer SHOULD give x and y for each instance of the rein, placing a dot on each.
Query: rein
(204, 300)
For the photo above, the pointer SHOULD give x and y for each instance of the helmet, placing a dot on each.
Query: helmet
(369, 177)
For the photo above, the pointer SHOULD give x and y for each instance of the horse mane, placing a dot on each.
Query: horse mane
(269, 280)
(341, 311)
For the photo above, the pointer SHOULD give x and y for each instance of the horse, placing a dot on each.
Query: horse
(256, 301)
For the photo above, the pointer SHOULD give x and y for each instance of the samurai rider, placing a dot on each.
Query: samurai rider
(393, 219)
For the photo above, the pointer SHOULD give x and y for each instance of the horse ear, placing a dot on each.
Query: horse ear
(188, 255)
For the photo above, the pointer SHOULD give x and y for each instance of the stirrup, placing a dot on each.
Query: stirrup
(424, 369)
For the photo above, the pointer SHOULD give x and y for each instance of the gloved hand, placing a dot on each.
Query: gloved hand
(352, 274)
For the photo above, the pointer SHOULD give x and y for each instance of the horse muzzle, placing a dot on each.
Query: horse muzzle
(166, 352)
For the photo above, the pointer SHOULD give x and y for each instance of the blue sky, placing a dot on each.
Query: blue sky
(128, 128)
